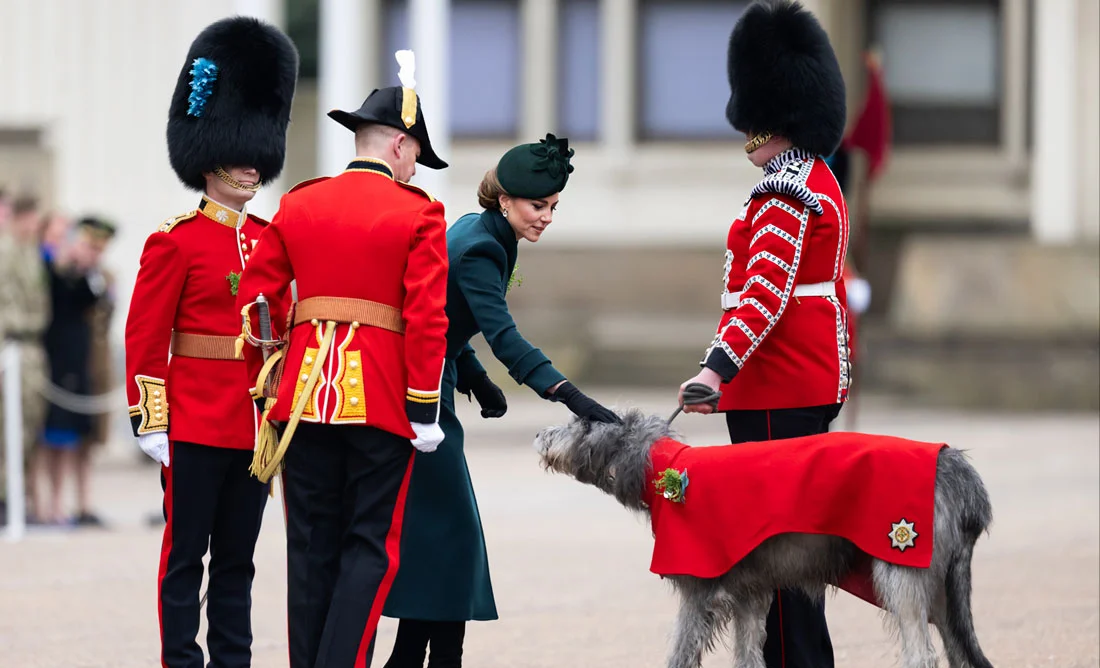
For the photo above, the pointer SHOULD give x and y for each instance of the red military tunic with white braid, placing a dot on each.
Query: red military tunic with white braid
(359, 237)
(186, 292)
(782, 340)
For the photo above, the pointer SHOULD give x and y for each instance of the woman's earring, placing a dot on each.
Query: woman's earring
(505, 212)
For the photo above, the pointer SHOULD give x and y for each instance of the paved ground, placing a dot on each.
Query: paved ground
(570, 566)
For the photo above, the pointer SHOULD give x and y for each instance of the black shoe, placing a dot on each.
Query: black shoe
(89, 520)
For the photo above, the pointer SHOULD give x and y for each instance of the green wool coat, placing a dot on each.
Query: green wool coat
(444, 568)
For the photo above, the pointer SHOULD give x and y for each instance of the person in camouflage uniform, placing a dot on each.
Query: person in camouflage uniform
(24, 313)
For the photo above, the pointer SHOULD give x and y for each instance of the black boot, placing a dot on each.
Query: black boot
(446, 644)
(411, 644)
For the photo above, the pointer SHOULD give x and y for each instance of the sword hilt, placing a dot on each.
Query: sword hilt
(263, 309)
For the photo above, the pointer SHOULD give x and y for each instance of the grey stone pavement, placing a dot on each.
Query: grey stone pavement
(570, 567)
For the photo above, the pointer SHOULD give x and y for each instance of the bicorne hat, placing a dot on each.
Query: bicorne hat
(397, 107)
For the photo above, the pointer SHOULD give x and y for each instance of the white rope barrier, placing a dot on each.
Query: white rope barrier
(85, 404)
(12, 372)
(13, 443)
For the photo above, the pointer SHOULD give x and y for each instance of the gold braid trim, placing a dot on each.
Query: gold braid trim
(270, 450)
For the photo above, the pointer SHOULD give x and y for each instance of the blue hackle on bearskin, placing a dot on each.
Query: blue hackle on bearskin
(203, 74)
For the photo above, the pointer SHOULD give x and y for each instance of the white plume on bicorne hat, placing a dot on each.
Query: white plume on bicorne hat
(406, 59)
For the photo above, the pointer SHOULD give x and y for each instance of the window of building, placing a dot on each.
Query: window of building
(484, 65)
(682, 82)
(579, 68)
(302, 20)
(943, 67)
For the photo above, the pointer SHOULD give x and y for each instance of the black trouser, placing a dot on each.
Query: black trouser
(413, 637)
(345, 497)
(210, 499)
(798, 636)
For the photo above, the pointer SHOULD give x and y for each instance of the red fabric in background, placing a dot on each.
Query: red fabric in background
(873, 130)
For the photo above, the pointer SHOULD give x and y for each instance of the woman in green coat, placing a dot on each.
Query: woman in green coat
(443, 578)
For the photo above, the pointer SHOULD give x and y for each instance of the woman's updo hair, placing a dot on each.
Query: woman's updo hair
(490, 190)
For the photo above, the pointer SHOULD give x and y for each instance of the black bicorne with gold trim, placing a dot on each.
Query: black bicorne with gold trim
(396, 107)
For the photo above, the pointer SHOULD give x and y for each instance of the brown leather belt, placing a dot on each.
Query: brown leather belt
(349, 310)
(204, 346)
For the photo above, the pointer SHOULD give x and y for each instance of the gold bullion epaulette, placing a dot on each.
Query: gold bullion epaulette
(169, 224)
(416, 189)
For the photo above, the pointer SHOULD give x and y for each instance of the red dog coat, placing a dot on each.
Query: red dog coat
(876, 491)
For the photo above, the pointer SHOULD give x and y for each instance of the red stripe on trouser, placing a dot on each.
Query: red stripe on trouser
(393, 552)
(778, 593)
(286, 523)
(165, 547)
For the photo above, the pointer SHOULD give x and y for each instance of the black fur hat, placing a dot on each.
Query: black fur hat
(232, 100)
(784, 77)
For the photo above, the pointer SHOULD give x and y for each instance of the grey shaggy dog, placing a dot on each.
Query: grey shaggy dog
(615, 458)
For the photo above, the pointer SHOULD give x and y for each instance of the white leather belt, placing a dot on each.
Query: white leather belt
(731, 300)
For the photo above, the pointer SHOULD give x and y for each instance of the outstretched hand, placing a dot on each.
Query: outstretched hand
(582, 405)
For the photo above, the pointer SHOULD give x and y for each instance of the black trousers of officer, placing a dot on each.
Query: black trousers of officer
(210, 500)
(345, 498)
(798, 636)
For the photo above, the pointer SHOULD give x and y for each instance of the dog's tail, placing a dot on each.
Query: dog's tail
(960, 619)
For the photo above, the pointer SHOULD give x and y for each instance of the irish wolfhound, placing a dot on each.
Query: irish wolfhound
(616, 459)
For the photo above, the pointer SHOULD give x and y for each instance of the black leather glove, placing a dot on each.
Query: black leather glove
(489, 396)
(582, 405)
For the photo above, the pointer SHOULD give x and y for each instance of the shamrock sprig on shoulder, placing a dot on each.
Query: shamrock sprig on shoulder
(672, 484)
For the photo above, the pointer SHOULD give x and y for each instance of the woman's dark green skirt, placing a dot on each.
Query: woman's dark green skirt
(444, 568)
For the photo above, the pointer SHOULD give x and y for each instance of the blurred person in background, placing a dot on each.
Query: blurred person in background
(56, 228)
(77, 287)
(780, 355)
(5, 210)
(188, 391)
(24, 314)
(444, 578)
(101, 374)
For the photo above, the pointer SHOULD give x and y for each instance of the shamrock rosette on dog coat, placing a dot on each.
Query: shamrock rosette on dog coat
(876, 491)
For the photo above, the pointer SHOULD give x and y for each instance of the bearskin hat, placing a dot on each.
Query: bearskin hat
(784, 77)
(231, 105)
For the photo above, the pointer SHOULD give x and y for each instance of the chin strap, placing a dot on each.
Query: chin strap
(234, 183)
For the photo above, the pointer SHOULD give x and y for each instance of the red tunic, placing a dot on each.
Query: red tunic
(866, 488)
(183, 285)
(775, 349)
(359, 235)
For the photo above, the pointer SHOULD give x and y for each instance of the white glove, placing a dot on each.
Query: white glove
(428, 436)
(859, 294)
(155, 445)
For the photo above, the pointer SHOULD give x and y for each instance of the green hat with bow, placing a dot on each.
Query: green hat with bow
(534, 171)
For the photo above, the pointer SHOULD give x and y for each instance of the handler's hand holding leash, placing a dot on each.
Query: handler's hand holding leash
(699, 394)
